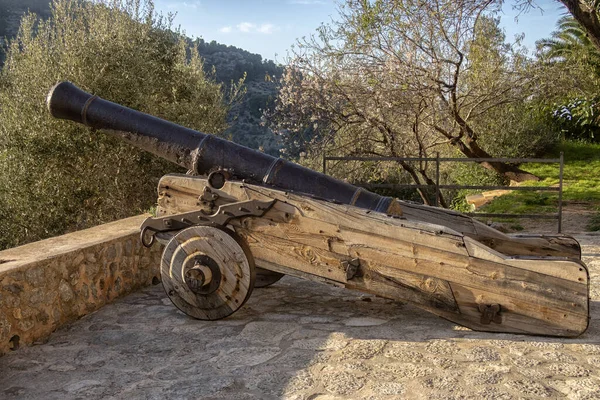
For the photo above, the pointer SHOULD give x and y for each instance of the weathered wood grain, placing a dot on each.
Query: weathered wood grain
(179, 193)
(517, 316)
(237, 272)
(295, 255)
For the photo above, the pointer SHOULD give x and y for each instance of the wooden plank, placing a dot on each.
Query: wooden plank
(295, 272)
(542, 245)
(569, 269)
(323, 212)
(181, 186)
(482, 275)
(517, 245)
(179, 193)
(517, 316)
(305, 258)
(428, 292)
(458, 222)
(334, 237)
(508, 281)
(330, 219)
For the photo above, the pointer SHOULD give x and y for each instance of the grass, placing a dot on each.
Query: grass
(581, 177)
(581, 183)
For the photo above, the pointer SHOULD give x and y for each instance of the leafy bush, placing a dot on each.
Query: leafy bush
(520, 130)
(579, 119)
(57, 176)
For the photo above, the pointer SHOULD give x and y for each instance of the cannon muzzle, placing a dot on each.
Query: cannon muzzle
(200, 152)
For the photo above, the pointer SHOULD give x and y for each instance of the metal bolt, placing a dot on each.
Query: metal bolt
(198, 276)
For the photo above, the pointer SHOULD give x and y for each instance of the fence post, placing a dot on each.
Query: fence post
(437, 179)
(560, 191)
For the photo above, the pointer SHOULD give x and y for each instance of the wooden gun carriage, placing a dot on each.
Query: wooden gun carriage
(241, 218)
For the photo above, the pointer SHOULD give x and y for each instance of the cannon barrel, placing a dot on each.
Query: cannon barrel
(200, 152)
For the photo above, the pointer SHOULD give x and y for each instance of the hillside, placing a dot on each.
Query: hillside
(230, 64)
(10, 17)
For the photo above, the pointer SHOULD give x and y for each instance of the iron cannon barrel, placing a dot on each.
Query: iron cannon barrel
(202, 152)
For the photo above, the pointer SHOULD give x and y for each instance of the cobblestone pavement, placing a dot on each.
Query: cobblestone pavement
(301, 340)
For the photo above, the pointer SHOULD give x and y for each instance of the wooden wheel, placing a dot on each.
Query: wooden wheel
(207, 273)
(265, 277)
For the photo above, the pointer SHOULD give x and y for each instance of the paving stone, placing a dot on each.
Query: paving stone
(342, 382)
(364, 321)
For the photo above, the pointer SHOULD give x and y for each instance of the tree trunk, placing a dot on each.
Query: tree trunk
(413, 174)
(513, 173)
(430, 182)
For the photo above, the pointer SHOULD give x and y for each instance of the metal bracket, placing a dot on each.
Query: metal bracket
(351, 267)
(221, 217)
(208, 195)
(490, 313)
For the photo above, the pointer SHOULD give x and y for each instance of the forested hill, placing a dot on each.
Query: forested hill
(229, 62)
(10, 17)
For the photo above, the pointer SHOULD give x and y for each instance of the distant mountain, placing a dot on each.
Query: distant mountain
(230, 64)
(11, 12)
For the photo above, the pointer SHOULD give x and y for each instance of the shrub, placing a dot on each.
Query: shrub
(57, 176)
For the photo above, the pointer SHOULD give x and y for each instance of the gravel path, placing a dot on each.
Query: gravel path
(300, 340)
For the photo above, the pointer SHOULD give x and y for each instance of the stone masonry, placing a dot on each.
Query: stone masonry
(45, 284)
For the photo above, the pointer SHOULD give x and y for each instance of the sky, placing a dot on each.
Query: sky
(270, 27)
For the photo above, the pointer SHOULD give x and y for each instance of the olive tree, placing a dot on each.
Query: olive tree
(57, 176)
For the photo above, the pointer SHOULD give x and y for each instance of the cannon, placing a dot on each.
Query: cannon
(241, 219)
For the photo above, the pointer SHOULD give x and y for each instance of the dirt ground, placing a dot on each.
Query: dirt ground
(575, 220)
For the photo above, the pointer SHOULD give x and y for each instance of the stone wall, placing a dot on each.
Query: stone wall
(46, 284)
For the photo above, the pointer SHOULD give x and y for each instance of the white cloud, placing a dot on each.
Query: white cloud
(266, 28)
(226, 29)
(249, 27)
(191, 4)
(246, 27)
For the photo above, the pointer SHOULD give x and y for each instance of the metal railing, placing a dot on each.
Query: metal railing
(437, 186)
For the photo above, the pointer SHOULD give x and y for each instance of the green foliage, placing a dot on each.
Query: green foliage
(57, 176)
(581, 172)
(232, 63)
(570, 42)
(572, 69)
(523, 202)
(227, 64)
(245, 117)
(516, 227)
(405, 79)
(469, 174)
(523, 129)
(10, 16)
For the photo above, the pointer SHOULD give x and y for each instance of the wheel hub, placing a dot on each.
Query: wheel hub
(204, 276)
